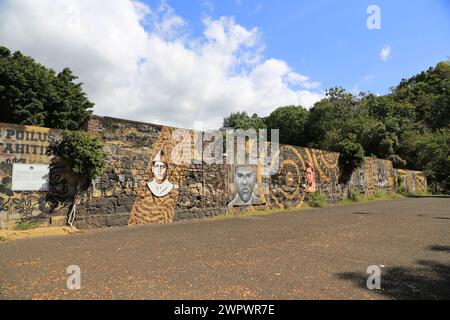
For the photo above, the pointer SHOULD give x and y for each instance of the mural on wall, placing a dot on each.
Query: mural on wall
(27, 144)
(310, 177)
(375, 175)
(412, 181)
(286, 184)
(244, 187)
(143, 183)
(302, 170)
(160, 186)
(151, 187)
(156, 200)
(326, 165)
(379, 175)
(361, 180)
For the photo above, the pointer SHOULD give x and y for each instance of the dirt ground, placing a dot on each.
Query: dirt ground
(11, 235)
(308, 254)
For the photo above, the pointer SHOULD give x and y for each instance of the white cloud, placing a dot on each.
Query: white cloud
(141, 63)
(385, 53)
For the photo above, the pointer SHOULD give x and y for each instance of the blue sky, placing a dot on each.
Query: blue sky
(329, 40)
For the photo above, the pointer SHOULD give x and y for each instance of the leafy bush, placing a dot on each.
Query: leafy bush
(316, 200)
(351, 157)
(379, 194)
(355, 196)
(27, 224)
(82, 152)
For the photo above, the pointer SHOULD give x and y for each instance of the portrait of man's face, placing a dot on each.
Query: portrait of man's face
(159, 170)
(160, 186)
(245, 180)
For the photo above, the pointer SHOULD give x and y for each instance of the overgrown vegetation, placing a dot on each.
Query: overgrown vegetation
(27, 224)
(85, 157)
(315, 200)
(355, 196)
(32, 94)
(410, 125)
(83, 153)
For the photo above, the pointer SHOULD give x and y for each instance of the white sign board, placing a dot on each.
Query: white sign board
(30, 177)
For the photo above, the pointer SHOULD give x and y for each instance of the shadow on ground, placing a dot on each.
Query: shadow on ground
(442, 196)
(427, 280)
(439, 248)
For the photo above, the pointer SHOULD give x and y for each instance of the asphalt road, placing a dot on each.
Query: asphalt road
(309, 254)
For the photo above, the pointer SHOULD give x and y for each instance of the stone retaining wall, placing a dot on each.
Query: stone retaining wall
(128, 192)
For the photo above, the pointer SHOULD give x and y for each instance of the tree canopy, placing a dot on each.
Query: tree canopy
(32, 94)
(291, 122)
(241, 120)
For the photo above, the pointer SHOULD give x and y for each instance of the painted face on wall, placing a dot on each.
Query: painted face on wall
(245, 180)
(159, 170)
(160, 186)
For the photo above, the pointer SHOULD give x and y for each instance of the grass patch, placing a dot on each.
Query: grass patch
(355, 197)
(418, 194)
(316, 200)
(312, 200)
(27, 224)
(257, 212)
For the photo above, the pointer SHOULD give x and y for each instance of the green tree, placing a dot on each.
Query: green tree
(32, 94)
(241, 120)
(291, 121)
(433, 157)
(85, 157)
(335, 118)
(429, 92)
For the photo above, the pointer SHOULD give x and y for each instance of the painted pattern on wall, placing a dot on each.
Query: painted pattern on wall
(411, 181)
(376, 175)
(143, 185)
(154, 206)
(302, 170)
(28, 144)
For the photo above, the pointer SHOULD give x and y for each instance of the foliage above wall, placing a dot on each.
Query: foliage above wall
(351, 157)
(241, 120)
(32, 94)
(291, 121)
(82, 152)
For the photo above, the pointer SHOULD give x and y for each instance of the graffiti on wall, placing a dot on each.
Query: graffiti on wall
(374, 176)
(411, 181)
